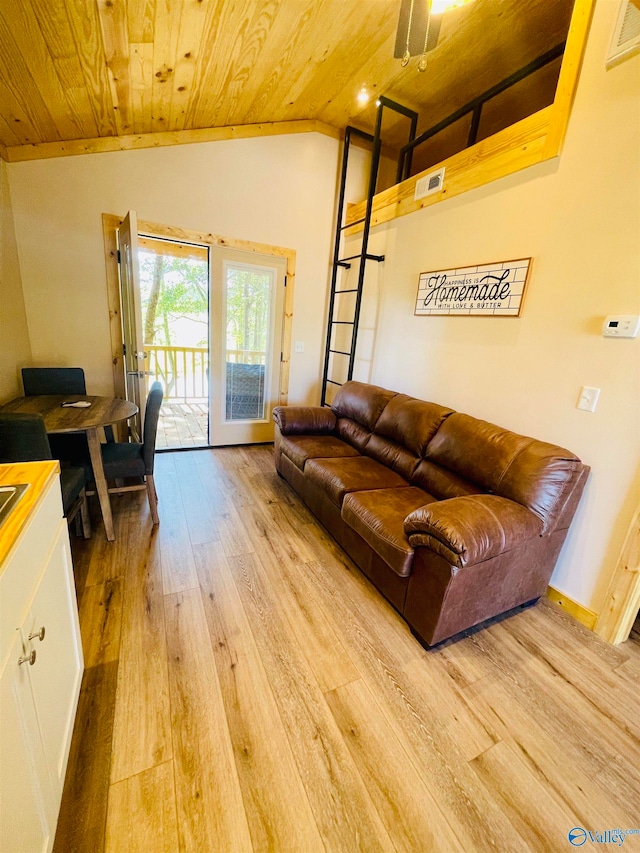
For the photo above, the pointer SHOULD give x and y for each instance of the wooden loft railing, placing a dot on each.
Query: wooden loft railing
(474, 107)
(532, 140)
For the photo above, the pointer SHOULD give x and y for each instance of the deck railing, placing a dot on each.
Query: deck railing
(184, 370)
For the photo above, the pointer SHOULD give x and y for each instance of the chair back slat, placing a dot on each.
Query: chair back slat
(53, 380)
(23, 438)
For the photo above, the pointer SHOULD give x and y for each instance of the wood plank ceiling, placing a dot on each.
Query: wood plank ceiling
(86, 69)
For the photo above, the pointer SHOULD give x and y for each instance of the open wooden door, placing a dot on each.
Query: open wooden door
(133, 344)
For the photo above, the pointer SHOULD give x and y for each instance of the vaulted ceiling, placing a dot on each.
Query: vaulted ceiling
(81, 69)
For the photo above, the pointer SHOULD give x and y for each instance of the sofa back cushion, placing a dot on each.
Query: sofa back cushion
(403, 431)
(357, 407)
(532, 473)
(361, 403)
(411, 423)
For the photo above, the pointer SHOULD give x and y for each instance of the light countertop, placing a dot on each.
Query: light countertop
(38, 475)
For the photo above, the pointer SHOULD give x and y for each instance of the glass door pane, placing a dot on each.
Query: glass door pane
(248, 303)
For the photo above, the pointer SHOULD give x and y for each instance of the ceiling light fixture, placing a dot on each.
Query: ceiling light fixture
(363, 97)
(440, 6)
(419, 28)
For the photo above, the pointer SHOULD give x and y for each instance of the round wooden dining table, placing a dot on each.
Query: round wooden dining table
(59, 418)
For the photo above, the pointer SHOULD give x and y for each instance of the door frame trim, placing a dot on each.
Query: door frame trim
(110, 225)
(619, 608)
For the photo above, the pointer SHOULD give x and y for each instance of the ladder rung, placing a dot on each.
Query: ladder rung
(343, 261)
(334, 383)
(352, 290)
(351, 224)
(343, 322)
(339, 352)
(343, 264)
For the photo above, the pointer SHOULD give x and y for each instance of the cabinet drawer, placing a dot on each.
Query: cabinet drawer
(26, 563)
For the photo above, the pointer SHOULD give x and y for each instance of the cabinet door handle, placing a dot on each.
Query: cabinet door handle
(30, 658)
(39, 635)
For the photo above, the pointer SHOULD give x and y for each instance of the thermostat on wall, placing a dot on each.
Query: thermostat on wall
(621, 326)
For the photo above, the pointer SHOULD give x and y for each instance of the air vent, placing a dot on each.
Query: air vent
(626, 36)
(431, 183)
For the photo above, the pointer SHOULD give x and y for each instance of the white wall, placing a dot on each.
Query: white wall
(579, 218)
(15, 350)
(278, 190)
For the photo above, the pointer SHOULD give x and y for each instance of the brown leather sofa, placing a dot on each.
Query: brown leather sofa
(453, 519)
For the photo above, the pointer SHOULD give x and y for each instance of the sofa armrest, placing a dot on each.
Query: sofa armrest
(470, 529)
(304, 420)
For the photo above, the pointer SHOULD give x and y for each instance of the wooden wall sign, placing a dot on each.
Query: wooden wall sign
(488, 290)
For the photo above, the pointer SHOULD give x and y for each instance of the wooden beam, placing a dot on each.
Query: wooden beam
(115, 39)
(41, 151)
(21, 36)
(168, 17)
(84, 22)
(569, 73)
(53, 22)
(172, 250)
(622, 599)
(110, 225)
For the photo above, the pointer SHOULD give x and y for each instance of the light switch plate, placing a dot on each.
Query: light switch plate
(299, 346)
(588, 398)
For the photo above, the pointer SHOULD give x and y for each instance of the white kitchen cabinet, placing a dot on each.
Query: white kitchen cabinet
(38, 696)
(25, 790)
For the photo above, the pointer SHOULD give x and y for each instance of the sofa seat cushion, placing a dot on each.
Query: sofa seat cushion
(337, 477)
(378, 517)
(299, 448)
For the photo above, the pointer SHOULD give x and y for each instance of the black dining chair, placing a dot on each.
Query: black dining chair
(38, 381)
(124, 460)
(53, 380)
(23, 438)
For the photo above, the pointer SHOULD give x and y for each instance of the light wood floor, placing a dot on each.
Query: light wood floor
(247, 689)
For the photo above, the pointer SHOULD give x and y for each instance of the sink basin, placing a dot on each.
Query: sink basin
(9, 497)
